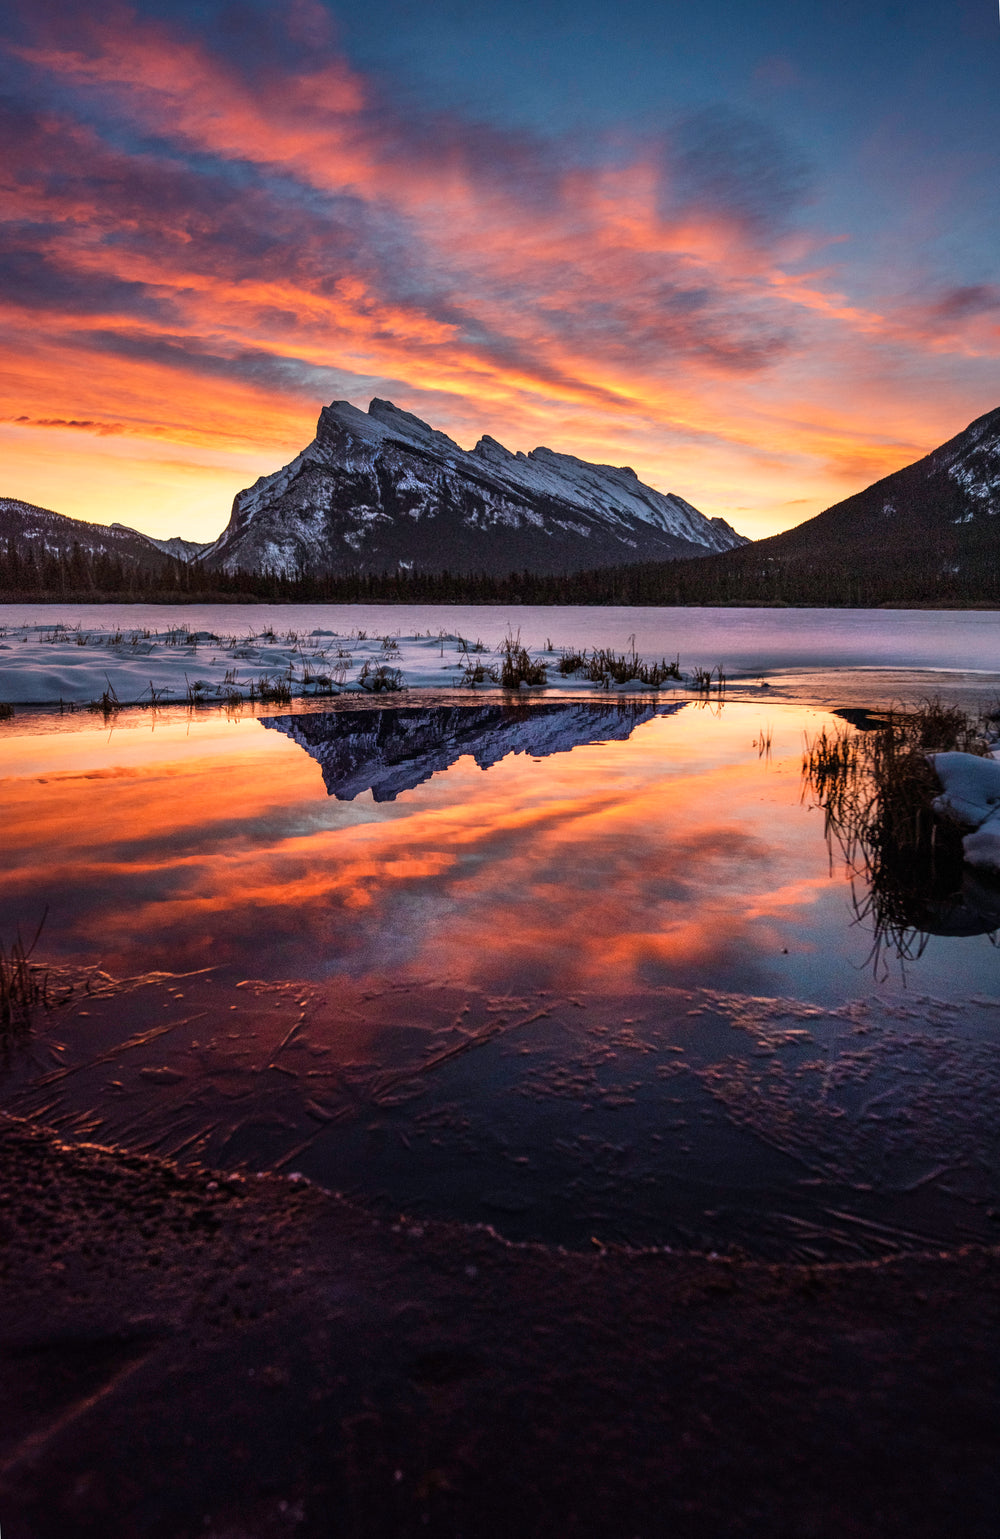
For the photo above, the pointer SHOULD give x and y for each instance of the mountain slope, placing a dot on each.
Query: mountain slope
(181, 549)
(927, 534)
(381, 490)
(948, 502)
(43, 532)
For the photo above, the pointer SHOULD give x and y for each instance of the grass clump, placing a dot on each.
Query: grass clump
(108, 703)
(876, 789)
(380, 679)
(709, 681)
(6, 711)
(320, 683)
(23, 984)
(475, 671)
(571, 661)
(276, 691)
(605, 666)
(517, 666)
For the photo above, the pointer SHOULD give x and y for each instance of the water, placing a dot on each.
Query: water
(747, 642)
(582, 970)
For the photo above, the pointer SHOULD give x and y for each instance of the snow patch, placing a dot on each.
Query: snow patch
(971, 798)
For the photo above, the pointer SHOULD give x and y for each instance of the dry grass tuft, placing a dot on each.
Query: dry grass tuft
(517, 667)
(876, 789)
(23, 984)
(380, 679)
(604, 666)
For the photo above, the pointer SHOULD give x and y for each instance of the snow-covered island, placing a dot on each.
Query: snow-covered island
(53, 665)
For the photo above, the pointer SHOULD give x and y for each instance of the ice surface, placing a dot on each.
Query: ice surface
(835, 657)
(695, 1118)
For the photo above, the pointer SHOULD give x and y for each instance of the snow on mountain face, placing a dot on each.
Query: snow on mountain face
(383, 489)
(972, 462)
(45, 532)
(395, 749)
(183, 550)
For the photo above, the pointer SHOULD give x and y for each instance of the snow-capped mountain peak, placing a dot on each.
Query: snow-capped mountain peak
(380, 489)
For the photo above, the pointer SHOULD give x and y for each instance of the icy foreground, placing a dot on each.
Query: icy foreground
(971, 798)
(46, 665)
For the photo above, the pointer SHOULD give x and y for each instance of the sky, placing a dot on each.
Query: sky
(750, 249)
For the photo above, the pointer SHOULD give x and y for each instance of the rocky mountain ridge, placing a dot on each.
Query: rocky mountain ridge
(45, 533)
(381, 490)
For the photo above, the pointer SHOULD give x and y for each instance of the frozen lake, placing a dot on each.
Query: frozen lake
(746, 641)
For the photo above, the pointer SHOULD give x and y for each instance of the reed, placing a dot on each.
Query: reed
(319, 683)
(23, 984)
(876, 789)
(276, 691)
(604, 666)
(517, 666)
(108, 703)
(571, 661)
(709, 681)
(474, 672)
(380, 679)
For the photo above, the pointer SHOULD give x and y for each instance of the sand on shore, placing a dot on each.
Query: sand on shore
(186, 1353)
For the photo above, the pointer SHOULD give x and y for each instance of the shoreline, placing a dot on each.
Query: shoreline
(185, 1353)
(52, 666)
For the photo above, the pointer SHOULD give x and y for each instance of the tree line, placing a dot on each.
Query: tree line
(741, 577)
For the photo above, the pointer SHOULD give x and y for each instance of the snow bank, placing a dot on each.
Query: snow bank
(971, 798)
(42, 665)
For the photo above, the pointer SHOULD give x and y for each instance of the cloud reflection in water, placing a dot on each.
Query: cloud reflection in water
(673, 855)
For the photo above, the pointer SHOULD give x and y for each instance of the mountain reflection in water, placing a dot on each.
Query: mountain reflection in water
(610, 846)
(398, 748)
(615, 987)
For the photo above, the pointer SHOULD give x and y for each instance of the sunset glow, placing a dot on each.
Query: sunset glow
(621, 863)
(209, 233)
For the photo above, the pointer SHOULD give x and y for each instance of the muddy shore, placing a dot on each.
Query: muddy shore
(185, 1353)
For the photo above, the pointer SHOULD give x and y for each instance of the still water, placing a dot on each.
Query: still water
(582, 971)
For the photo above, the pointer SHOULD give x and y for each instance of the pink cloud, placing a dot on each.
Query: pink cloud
(614, 301)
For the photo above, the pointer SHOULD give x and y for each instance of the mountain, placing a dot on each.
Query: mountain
(381, 490)
(397, 748)
(181, 550)
(45, 533)
(948, 503)
(925, 533)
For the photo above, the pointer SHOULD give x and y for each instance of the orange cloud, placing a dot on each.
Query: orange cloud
(488, 280)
